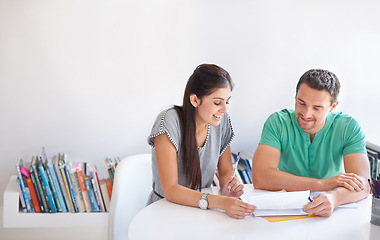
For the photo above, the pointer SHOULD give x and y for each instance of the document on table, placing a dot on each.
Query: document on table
(277, 203)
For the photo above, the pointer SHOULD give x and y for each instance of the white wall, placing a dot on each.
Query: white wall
(88, 77)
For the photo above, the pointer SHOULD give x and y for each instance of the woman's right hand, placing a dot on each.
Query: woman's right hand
(238, 209)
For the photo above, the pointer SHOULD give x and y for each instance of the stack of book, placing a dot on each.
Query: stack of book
(110, 165)
(57, 185)
(244, 168)
(374, 161)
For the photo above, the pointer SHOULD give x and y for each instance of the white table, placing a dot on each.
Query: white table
(166, 220)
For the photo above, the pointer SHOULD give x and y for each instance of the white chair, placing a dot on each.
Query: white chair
(131, 188)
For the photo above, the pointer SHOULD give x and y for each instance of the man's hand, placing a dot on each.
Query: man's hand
(351, 181)
(323, 205)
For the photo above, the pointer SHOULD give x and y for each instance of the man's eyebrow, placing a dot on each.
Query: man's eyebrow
(316, 106)
(299, 99)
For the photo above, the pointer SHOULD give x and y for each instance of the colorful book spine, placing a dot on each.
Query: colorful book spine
(53, 189)
(243, 176)
(108, 165)
(91, 195)
(248, 170)
(58, 188)
(36, 190)
(106, 197)
(76, 190)
(70, 186)
(69, 202)
(99, 200)
(22, 200)
(22, 187)
(82, 184)
(67, 198)
(28, 195)
(47, 187)
(96, 186)
(109, 187)
(40, 189)
(32, 191)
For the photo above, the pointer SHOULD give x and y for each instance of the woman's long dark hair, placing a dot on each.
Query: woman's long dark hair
(205, 79)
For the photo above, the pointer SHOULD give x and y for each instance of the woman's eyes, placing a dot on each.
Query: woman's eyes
(218, 103)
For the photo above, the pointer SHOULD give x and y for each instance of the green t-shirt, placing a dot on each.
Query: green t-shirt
(322, 158)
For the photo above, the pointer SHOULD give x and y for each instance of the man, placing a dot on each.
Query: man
(313, 148)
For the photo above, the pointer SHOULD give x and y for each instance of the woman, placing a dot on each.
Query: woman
(191, 142)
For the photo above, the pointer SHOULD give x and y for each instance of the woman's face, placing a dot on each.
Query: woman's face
(210, 109)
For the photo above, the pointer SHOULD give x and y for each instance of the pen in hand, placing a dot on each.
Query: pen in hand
(235, 168)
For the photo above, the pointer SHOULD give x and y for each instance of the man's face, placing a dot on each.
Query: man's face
(312, 107)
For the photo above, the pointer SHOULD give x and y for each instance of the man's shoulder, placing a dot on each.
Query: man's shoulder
(342, 118)
(283, 115)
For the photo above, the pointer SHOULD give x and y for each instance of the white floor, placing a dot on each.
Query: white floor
(80, 233)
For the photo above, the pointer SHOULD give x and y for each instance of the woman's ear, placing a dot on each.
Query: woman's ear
(194, 100)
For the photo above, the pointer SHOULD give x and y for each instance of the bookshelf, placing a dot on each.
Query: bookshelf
(14, 218)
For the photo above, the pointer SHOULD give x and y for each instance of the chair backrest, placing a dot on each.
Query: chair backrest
(131, 188)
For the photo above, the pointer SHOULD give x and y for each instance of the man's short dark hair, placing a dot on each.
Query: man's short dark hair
(320, 79)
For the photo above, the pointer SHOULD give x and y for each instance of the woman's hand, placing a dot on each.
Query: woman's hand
(236, 208)
(233, 188)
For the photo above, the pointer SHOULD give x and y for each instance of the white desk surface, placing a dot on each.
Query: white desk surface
(166, 220)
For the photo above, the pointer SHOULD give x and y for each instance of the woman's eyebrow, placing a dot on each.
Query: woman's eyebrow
(220, 98)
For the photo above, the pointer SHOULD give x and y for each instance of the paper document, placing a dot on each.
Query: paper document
(277, 203)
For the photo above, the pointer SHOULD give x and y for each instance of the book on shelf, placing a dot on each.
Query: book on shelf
(71, 188)
(53, 179)
(106, 197)
(109, 187)
(46, 185)
(96, 186)
(35, 184)
(56, 185)
(373, 158)
(40, 190)
(215, 181)
(22, 199)
(76, 188)
(91, 195)
(25, 172)
(52, 182)
(248, 169)
(24, 187)
(82, 184)
(244, 166)
(62, 170)
(65, 193)
(110, 166)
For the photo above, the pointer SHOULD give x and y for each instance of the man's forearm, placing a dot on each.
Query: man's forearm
(343, 195)
(278, 180)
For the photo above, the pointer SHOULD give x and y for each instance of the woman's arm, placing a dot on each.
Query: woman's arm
(230, 186)
(166, 156)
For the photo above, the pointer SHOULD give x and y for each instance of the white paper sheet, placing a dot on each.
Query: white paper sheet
(277, 203)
